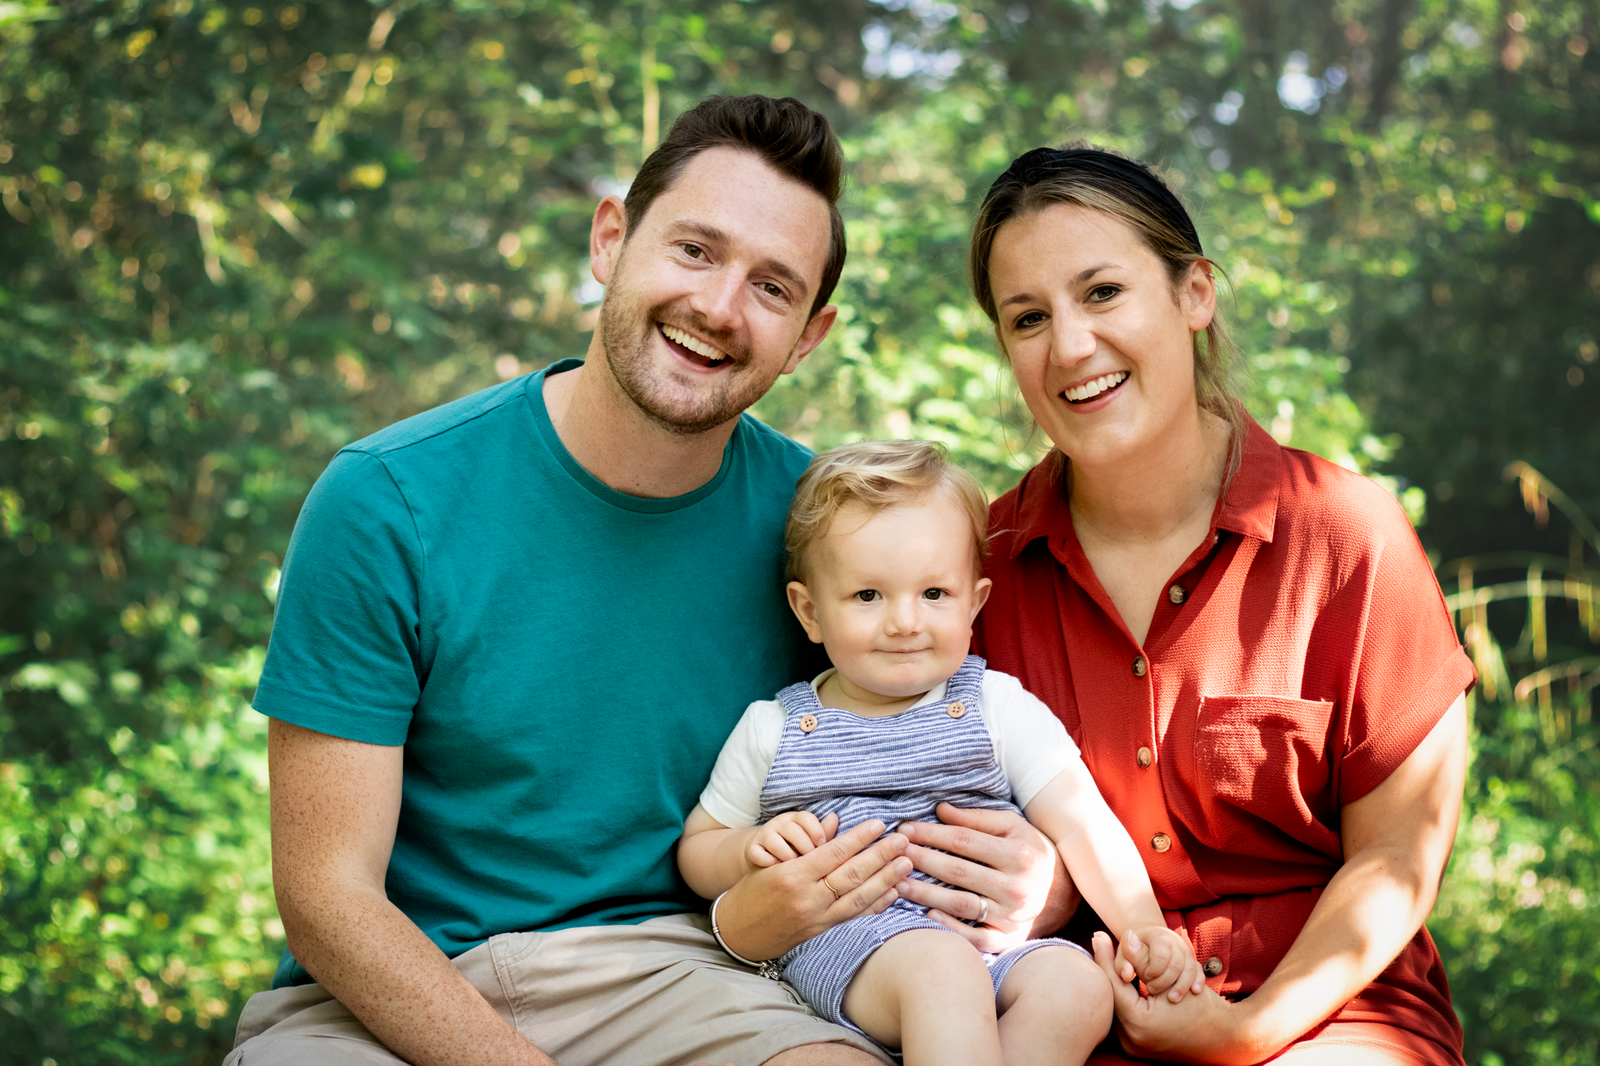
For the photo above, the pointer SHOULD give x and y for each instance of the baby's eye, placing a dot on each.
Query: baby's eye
(934, 594)
(867, 595)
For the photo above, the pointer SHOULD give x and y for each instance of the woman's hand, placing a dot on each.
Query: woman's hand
(1005, 872)
(770, 911)
(1202, 1028)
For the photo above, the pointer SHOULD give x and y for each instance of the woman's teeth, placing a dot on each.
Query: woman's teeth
(1090, 389)
(695, 345)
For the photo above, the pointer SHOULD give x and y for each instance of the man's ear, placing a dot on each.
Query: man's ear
(811, 336)
(805, 609)
(607, 233)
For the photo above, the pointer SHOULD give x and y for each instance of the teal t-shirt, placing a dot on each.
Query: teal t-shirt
(561, 661)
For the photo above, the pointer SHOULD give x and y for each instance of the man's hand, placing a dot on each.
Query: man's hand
(1162, 960)
(773, 909)
(789, 836)
(992, 856)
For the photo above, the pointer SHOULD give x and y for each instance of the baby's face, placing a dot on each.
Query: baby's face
(892, 595)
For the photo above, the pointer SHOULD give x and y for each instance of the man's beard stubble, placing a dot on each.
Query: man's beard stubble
(629, 358)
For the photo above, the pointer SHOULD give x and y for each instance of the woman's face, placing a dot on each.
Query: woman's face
(1101, 344)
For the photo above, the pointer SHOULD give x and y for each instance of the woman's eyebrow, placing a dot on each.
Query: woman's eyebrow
(1077, 279)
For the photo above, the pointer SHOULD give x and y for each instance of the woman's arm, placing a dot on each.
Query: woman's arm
(1397, 839)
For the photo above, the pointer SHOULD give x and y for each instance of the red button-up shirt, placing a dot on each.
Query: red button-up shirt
(1297, 657)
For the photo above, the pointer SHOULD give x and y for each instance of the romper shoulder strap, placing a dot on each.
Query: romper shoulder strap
(967, 682)
(799, 698)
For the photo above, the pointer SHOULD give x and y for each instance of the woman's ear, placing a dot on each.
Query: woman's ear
(1197, 295)
(805, 609)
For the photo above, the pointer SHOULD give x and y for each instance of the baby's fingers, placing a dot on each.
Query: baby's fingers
(773, 845)
(1192, 980)
(815, 834)
(803, 833)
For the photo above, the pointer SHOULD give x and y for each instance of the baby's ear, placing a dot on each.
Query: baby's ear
(805, 609)
(980, 594)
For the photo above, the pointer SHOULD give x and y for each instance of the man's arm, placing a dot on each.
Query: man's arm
(335, 805)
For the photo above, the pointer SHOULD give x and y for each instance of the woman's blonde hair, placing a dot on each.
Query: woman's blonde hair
(1103, 180)
(876, 474)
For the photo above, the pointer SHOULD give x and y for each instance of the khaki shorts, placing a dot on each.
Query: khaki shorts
(660, 992)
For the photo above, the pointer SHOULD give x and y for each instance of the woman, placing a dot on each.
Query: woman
(1246, 641)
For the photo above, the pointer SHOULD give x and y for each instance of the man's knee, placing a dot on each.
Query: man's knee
(823, 1055)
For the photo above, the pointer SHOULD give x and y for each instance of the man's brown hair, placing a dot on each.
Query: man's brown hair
(790, 137)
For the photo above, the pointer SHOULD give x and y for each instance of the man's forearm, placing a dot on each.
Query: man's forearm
(375, 961)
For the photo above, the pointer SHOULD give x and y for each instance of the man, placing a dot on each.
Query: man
(512, 635)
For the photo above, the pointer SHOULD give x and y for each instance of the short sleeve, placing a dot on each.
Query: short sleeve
(344, 657)
(1030, 743)
(733, 797)
(1407, 667)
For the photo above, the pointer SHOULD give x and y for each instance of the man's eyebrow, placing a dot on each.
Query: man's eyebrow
(714, 235)
(1078, 279)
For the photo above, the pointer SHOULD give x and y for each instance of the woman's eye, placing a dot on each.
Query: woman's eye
(1028, 321)
(1102, 293)
(867, 595)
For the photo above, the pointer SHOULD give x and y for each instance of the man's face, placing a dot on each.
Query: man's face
(709, 297)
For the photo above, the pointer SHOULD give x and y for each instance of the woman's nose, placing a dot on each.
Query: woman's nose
(1072, 339)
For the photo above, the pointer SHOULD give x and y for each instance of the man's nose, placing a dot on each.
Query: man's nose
(717, 298)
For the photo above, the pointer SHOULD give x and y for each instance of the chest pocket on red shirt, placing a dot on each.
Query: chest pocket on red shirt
(1267, 756)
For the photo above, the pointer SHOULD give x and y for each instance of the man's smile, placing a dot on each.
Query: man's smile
(692, 348)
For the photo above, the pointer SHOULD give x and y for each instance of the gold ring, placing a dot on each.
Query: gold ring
(983, 911)
(830, 888)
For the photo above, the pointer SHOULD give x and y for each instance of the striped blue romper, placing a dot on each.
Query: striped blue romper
(895, 769)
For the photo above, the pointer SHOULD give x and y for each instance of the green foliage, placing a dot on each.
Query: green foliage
(236, 236)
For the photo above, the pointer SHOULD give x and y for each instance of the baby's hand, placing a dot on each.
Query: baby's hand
(1163, 960)
(788, 836)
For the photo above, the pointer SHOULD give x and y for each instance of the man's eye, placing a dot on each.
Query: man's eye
(693, 251)
(772, 290)
(867, 595)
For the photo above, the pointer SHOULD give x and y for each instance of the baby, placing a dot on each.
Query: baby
(885, 542)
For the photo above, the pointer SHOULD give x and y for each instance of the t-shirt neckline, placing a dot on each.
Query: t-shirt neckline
(533, 390)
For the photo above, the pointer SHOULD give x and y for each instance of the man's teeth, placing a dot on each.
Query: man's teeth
(1090, 389)
(699, 347)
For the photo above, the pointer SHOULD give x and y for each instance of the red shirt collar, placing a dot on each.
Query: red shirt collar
(1250, 507)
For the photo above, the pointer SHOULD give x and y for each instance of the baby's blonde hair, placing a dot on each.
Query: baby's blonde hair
(878, 474)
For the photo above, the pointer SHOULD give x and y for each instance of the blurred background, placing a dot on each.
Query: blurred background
(237, 236)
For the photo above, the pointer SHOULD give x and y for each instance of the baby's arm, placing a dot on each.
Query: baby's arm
(1106, 867)
(713, 858)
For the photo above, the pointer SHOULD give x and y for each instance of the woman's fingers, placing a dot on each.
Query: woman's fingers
(992, 853)
(983, 937)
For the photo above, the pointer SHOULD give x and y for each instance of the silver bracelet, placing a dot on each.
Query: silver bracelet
(767, 968)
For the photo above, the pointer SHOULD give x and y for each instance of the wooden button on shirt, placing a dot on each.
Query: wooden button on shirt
(1138, 666)
(808, 722)
(1177, 593)
(957, 709)
(1213, 966)
(1161, 842)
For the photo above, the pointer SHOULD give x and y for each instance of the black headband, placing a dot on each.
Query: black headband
(1033, 167)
